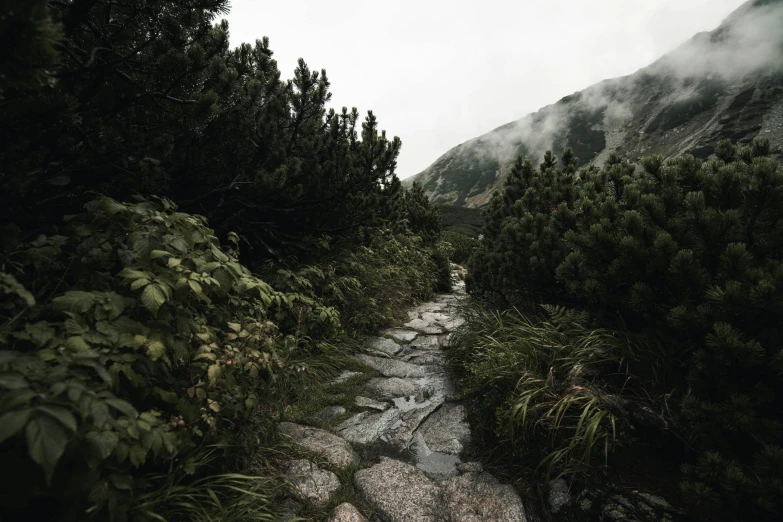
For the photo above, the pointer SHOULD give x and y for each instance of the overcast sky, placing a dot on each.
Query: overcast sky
(439, 72)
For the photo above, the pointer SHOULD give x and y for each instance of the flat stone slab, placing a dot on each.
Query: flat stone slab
(385, 345)
(422, 326)
(311, 483)
(426, 341)
(392, 367)
(437, 318)
(391, 387)
(367, 427)
(399, 492)
(366, 402)
(401, 433)
(446, 430)
(328, 446)
(346, 512)
(329, 413)
(400, 334)
(479, 497)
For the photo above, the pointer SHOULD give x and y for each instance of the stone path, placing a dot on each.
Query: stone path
(412, 424)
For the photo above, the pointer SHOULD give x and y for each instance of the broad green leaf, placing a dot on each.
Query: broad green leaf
(46, 442)
(77, 344)
(64, 416)
(195, 287)
(173, 261)
(12, 381)
(156, 350)
(155, 254)
(138, 283)
(103, 441)
(235, 326)
(12, 422)
(220, 256)
(214, 372)
(123, 407)
(137, 455)
(153, 298)
(74, 301)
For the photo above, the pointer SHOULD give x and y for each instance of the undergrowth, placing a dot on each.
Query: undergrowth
(562, 395)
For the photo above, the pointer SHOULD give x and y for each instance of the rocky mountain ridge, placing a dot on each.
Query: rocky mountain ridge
(727, 83)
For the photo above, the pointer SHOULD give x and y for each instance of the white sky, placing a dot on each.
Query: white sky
(437, 73)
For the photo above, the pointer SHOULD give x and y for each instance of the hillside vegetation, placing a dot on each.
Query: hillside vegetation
(190, 244)
(638, 308)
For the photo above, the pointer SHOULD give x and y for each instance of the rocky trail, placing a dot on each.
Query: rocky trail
(409, 431)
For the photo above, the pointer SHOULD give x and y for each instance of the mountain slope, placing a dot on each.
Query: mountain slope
(727, 83)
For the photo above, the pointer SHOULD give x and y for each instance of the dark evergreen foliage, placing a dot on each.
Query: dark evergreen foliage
(149, 98)
(683, 250)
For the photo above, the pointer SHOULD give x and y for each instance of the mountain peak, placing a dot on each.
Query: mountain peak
(726, 83)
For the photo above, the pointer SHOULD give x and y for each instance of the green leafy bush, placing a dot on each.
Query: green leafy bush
(147, 339)
(370, 286)
(685, 250)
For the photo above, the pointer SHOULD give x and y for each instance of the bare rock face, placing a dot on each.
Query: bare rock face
(346, 512)
(400, 492)
(446, 430)
(311, 483)
(328, 446)
(392, 367)
(479, 497)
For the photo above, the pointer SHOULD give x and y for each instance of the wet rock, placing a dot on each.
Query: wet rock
(446, 430)
(346, 512)
(435, 464)
(392, 367)
(366, 402)
(436, 318)
(424, 358)
(400, 335)
(454, 323)
(400, 434)
(366, 427)
(468, 467)
(422, 326)
(425, 341)
(345, 376)
(476, 497)
(310, 482)
(382, 344)
(399, 492)
(390, 387)
(558, 495)
(328, 446)
(329, 413)
(413, 314)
